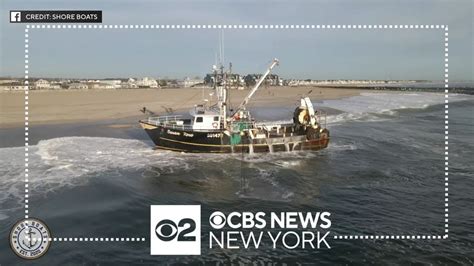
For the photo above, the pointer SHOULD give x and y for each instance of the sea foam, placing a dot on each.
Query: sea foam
(370, 105)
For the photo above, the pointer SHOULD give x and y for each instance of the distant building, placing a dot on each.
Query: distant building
(170, 83)
(117, 83)
(271, 79)
(188, 82)
(12, 86)
(78, 86)
(147, 83)
(42, 84)
(8, 81)
(101, 86)
(55, 85)
(234, 80)
(131, 83)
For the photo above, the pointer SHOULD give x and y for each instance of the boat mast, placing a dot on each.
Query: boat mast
(223, 96)
(220, 83)
(255, 88)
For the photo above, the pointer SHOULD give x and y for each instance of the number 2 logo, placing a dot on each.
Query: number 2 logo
(167, 230)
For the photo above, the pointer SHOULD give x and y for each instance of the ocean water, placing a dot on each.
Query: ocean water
(382, 174)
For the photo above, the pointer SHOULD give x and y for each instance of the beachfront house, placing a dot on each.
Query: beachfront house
(78, 86)
(41, 84)
(271, 80)
(234, 80)
(189, 82)
(116, 83)
(100, 86)
(130, 84)
(55, 85)
(147, 82)
(12, 86)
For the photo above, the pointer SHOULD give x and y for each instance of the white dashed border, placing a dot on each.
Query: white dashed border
(26, 124)
(234, 26)
(446, 132)
(239, 26)
(91, 239)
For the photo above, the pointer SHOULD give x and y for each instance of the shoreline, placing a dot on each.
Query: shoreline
(50, 107)
(67, 106)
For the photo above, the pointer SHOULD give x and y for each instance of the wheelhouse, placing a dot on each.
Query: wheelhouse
(205, 120)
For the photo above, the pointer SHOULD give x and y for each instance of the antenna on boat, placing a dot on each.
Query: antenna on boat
(221, 48)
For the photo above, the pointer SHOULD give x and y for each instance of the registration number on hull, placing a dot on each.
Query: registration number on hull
(214, 135)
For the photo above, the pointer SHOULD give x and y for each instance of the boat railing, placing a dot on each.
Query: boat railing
(170, 121)
(164, 119)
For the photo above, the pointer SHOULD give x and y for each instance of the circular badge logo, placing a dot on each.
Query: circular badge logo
(29, 238)
(217, 220)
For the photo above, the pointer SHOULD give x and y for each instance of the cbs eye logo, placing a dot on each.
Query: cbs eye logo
(167, 230)
(175, 230)
(217, 220)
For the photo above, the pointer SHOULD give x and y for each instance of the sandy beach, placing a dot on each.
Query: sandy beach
(65, 106)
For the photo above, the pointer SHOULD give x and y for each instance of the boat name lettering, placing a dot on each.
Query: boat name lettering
(186, 134)
(173, 133)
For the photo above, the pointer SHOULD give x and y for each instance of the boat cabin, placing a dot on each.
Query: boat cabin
(205, 119)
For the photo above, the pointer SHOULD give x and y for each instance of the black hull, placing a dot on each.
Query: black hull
(220, 141)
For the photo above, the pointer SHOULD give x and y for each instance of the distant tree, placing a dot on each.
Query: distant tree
(208, 79)
(250, 80)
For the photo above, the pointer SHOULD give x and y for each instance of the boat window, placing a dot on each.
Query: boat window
(216, 118)
(199, 119)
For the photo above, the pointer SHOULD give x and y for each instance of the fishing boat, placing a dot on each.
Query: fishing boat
(219, 129)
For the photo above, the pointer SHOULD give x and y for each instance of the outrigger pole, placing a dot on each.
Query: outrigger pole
(252, 92)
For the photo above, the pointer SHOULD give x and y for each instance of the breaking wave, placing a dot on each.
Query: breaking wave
(372, 106)
(71, 161)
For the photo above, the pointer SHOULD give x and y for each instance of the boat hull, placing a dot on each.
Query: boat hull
(221, 141)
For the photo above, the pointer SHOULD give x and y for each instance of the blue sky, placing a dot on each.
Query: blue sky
(318, 54)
